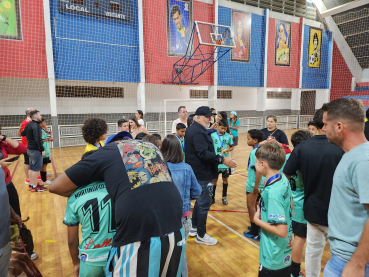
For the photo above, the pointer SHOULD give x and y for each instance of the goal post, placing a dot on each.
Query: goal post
(171, 109)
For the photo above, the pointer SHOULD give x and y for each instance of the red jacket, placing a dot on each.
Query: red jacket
(6, 149)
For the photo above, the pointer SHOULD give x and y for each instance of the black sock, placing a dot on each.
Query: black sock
(43, 176)
(254, 229)
(225, 187)
(295, 269)
(214, 189)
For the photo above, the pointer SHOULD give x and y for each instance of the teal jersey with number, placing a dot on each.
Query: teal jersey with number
(45, 144)
(298, 195)
(251, 175)
(276, 200)
(91, 207)
(218, 146)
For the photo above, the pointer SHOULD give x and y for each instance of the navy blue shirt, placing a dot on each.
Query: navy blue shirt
(279, 135)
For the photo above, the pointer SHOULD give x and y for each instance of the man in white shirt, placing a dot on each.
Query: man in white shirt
(182, 112)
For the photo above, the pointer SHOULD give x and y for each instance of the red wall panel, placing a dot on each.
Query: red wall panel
(27, 58)
(284, 76)
(341, 76)
(158, 66)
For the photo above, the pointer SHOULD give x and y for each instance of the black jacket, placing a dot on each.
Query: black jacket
(200, 153)
(33, 133)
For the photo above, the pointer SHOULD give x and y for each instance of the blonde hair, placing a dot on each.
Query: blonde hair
(273, 154)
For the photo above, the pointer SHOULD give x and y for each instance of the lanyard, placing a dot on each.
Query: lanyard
(96, 145)
(182, 144)
(221, 140)
(272, 179)
(268, 184)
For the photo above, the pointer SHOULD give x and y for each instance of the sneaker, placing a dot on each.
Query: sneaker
(213, 201)
(249, 228)
(224, 199)
(27, 182)
(30, 187)
(252, 236)
(207, 240)
(39, 178)
(302, 274)
(193, 232)
(38, 188)
(33, 256)
(48, 182)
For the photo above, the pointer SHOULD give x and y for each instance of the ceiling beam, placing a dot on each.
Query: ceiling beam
(345, 7)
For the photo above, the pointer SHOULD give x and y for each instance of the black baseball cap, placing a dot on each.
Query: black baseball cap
(205, 111)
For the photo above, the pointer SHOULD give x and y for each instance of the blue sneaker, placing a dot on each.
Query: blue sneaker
(249, 228)
(252, 236)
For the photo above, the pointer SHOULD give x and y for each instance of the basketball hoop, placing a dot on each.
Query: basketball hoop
(195, 62)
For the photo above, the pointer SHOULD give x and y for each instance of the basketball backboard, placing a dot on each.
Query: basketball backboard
(214, 35)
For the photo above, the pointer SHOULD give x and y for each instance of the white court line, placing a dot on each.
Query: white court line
(232, 230)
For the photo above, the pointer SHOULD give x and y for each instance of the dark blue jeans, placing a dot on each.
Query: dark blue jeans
(202, 207)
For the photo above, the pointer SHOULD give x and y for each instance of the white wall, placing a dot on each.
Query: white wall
(278, 104)
(243, 98)
(16, 95)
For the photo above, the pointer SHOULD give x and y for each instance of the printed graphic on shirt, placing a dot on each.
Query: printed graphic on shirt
(144, 163)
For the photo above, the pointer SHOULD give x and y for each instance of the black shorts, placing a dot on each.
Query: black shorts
(284, 272)
(26, 158)
(257, 199)
(299, 229)
(225, 173)
(235, 141)
(46, 160)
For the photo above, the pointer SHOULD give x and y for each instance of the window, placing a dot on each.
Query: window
(89, 92)
(199, 93)
(278, 95)
(224, 94)
(114, 7)
(78, 2)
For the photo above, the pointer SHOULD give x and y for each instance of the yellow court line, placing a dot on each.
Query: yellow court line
(49, 240)
(190, 239)
(233, 236)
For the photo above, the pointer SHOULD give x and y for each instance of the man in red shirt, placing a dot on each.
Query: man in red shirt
(24, 142)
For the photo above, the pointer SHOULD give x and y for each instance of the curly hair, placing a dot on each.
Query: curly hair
(93, 129)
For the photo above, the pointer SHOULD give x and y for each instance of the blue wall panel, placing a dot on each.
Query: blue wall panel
(317, 78)
(243, 74)
(95, 49)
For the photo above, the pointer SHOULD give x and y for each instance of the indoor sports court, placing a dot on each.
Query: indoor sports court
(76, 59)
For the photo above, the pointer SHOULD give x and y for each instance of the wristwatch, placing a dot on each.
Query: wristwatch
(220, 159)
(4, 137)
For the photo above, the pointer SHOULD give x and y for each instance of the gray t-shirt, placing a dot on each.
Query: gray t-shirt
(5, 212)
(347, 214)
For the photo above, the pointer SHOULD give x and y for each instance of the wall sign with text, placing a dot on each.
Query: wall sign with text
(115, 9)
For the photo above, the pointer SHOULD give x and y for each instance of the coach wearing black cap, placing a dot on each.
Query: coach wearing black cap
(200, 155)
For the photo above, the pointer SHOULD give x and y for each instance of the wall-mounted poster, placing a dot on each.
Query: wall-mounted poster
(179, 26)
(10, 21)
(315, 47)
(282, 43)
(241, 26)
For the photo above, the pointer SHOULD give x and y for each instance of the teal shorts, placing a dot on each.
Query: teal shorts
(89, 270)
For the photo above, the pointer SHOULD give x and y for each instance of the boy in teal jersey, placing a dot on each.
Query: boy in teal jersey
(46, 137)
(223, 144)
(254, 137)
(299, 224)
(181, 131)
(274, 216)
(91, 207)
